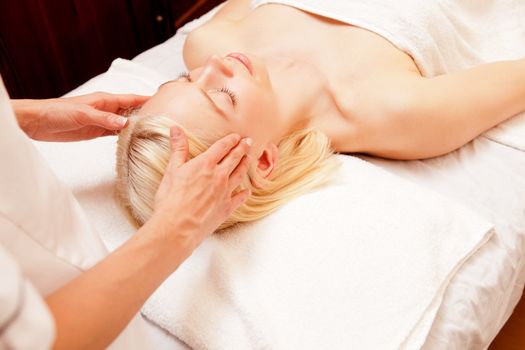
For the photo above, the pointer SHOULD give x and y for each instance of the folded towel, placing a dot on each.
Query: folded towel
(360, 264)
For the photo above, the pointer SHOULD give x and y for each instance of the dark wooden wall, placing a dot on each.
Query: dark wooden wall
(48, 47)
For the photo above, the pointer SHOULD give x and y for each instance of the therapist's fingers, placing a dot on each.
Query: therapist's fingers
(89, 116)
(179, 148)
(237, 200)
(220, 149)
(238, 175)
(131, 100)
(121, 103)
(114, 103)
(232, 160)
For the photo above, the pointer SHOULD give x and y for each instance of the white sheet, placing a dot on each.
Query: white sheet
(488, 177)
(484, 175)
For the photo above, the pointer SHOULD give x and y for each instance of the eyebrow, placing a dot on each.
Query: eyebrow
(203, 93)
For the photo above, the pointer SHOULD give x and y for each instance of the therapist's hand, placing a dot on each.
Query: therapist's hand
(74, 118)
(196, 197)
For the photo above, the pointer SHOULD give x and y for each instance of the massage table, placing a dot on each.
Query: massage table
(485, 175)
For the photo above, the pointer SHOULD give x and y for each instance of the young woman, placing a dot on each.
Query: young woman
(297, 75)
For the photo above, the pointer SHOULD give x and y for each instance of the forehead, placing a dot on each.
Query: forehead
(186, 105)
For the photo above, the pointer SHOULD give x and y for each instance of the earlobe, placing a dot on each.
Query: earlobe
(267, 161)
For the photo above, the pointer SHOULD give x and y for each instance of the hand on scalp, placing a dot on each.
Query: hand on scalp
(75, 118)
(196, 197)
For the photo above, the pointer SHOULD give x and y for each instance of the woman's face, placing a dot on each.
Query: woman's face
(227, 94)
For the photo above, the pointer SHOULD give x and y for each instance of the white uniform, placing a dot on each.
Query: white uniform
(45, 241)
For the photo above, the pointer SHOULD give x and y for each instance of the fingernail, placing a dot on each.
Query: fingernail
(119, 121)
(248, 141)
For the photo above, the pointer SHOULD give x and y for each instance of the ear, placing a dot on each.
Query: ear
(267, 160)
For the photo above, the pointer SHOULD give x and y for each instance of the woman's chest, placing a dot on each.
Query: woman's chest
(344, 54)
(351, 61)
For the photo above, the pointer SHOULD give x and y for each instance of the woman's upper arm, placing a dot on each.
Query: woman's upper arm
(426, 117)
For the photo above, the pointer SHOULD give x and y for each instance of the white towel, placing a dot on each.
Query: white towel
(443, 36)
(362, 263)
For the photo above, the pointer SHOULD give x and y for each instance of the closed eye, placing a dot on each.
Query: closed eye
(225, 90)
(230, 93)
(184, 75)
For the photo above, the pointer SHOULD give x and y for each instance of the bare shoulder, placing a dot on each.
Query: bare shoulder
(216, 35)
(233, 10)
(378, 107)
(205, 41)
(369, 100)
(369, 75)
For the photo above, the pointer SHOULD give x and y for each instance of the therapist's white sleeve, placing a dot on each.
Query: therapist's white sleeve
(25, 320)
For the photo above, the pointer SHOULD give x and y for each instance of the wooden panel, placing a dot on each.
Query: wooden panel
(153, 22)
(86, 37)
(193, 9)
(48, 47)
(24, 36)
(52, 46)
(512, 335)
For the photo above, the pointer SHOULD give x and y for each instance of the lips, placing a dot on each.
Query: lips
(243, 59)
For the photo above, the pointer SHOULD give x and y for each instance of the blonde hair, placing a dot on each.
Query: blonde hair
(305, 162)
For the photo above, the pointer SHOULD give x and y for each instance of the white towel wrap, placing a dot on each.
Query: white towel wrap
(443, 36)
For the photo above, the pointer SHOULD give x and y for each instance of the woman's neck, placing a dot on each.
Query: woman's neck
(302, 92)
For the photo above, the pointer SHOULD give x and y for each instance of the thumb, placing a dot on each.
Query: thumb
(179, 148)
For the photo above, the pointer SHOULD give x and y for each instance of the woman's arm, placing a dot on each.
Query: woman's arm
(427, 117)
(192, 201)
(92, 310)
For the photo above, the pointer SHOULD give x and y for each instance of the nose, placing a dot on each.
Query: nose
(215, 69)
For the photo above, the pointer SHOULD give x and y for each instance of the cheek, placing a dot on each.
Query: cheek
(259, 104)
(255, 114)
(265, 113)
(258, 121)
(257, 108)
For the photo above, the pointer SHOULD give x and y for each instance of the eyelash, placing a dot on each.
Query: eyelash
(185, 75)
(225, 90)
(229, 93)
